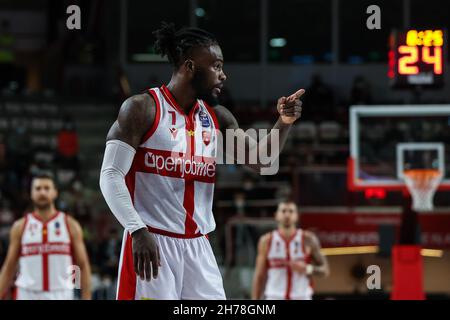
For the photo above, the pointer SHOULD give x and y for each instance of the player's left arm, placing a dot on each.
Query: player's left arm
(81, 257)
(319, 265)
(289, 110)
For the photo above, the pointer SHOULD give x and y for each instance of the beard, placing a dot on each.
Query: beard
(42, 205)
(203, 92)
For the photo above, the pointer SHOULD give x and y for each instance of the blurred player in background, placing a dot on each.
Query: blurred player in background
(158, 171)
(47, 247)
(287, 258)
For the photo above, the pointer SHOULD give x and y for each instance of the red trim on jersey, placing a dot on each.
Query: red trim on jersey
(213, 115)
(173, 234)
(287, 295)
(287, 242)
(23, 230)
(173, 102)
(127, 279)
(171, 99)
(269, 248)
(157, 117)
(190, 226)
(38, 217)
(45, 284)
(66, 221)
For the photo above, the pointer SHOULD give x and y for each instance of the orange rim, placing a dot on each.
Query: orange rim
(422, 173)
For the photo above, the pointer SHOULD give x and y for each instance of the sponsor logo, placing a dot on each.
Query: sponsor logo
(174, 132)
(182, 165)
(45, 248)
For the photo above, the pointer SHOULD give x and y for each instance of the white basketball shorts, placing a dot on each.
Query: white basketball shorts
(25, 294)
(188, 271)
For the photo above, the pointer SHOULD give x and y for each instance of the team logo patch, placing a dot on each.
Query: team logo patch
(206, 137)
(297, 245)
(174, 132)
(206, 123)
(57, 228)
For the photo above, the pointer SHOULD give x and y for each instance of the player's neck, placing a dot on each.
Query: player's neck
(184, 95)
(45, 213)
(287, 232)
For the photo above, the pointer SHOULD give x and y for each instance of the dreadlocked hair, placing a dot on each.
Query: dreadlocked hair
(176, 45)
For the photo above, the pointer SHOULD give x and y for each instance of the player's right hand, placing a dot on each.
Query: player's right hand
(146, 256)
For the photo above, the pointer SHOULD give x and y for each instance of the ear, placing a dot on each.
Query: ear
(189, 65)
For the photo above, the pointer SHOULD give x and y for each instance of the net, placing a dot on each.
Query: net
(422, 185)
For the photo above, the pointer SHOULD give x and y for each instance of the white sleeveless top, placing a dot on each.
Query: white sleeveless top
(171, 181)
(282, 281)
(45, 262)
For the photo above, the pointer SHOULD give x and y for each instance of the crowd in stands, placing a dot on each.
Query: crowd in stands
(45, 141)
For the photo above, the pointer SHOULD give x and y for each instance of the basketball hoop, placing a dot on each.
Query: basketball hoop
(422, 184)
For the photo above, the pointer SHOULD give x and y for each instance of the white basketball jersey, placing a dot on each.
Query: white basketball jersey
(282, 281)
(45, 254)
(171, 181)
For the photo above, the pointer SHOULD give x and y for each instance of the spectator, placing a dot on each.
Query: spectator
(67, 150)
(320, 98)
(18, 150)
(361, 91)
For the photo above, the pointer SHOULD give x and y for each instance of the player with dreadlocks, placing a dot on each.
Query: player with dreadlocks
(159, 166)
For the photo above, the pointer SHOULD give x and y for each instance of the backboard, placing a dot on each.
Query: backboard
(386, 140)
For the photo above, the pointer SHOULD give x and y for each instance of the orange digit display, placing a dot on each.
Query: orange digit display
(417, 58)
(435, 60)
(405, 62)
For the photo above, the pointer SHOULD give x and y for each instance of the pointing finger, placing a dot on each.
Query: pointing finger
(298, 94)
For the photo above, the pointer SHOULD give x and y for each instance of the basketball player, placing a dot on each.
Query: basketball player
(46, 245)
(287, 258)
(158, 171)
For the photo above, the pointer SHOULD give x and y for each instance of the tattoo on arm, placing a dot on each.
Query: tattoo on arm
(135, 118)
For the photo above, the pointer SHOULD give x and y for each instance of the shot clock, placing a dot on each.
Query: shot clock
(417, 58)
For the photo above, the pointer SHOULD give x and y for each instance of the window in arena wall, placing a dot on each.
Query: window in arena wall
(299, 31)
(235, 24)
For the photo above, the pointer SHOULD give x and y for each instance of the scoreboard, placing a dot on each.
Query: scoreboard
(417, 58)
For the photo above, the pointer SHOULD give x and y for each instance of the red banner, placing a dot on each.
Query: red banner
(361, 229)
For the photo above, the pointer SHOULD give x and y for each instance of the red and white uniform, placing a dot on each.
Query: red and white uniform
(282, 281)
(171, 183)
(45, 262)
